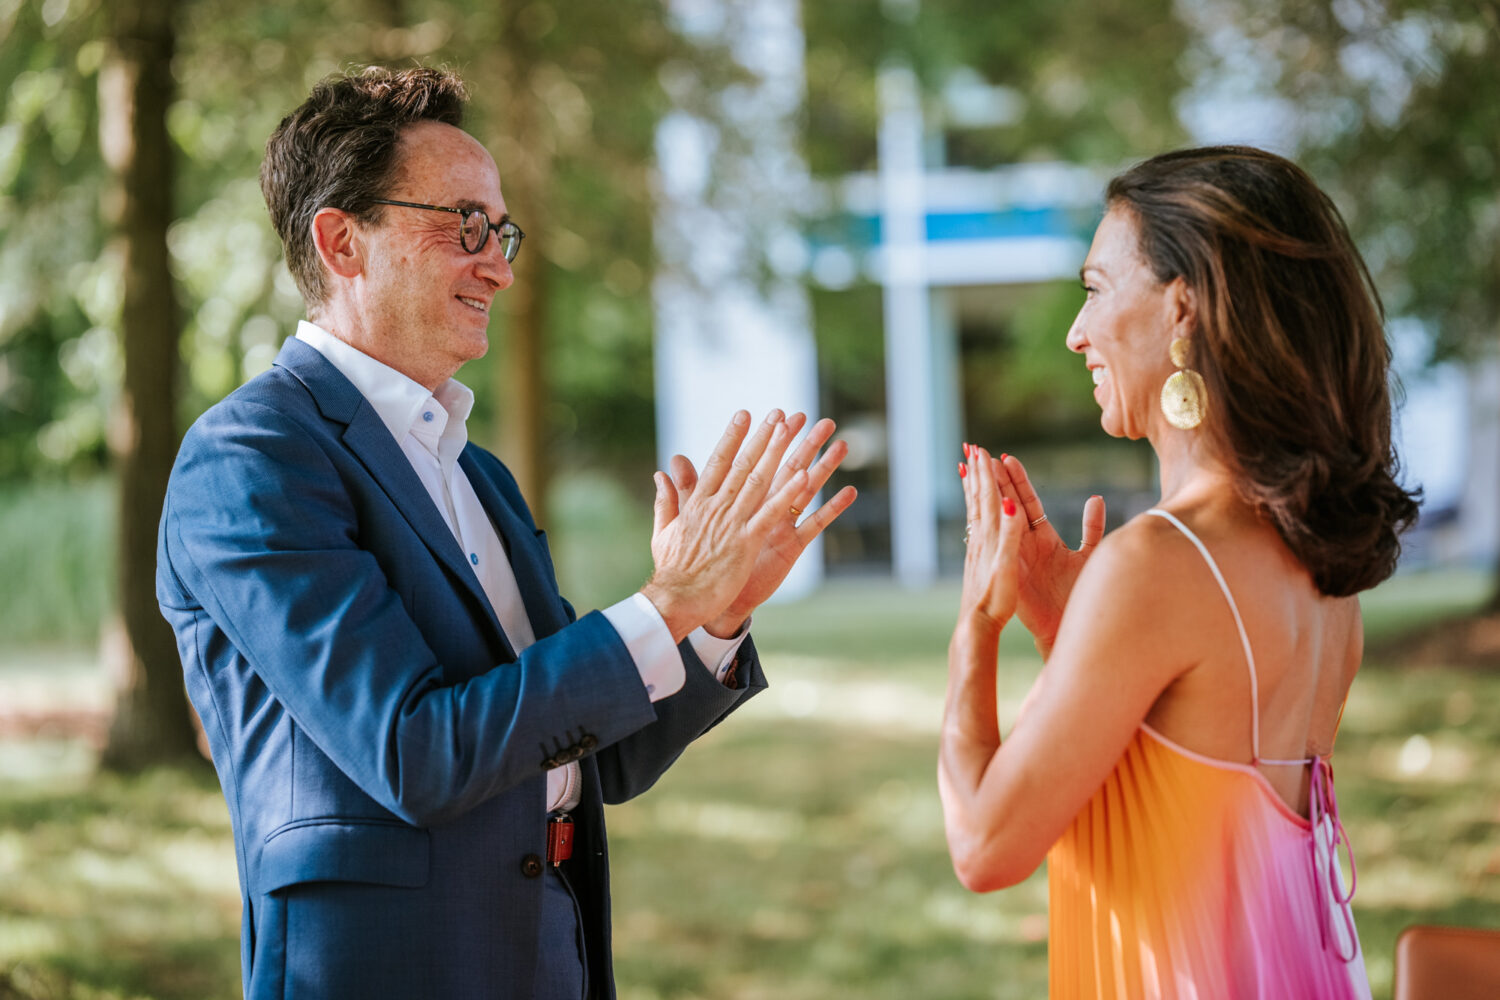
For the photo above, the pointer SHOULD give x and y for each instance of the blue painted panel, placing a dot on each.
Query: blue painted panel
(862, 232)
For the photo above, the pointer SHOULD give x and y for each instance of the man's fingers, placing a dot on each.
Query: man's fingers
(803, 455)
(749, 456)
(684, 476)
(825, 515)
(719, 463)
(1093, 523)
(761, 479)
(664, 510)
(825, 466)
(795, 423)
(777, 506)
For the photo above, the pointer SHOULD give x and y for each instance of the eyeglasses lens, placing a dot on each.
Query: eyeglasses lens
(473, 227)
(509, 235)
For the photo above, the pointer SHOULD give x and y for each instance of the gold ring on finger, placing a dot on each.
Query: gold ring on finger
(1038, 521)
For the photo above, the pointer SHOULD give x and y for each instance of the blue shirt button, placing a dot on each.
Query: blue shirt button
(474, 558)
(427, 416)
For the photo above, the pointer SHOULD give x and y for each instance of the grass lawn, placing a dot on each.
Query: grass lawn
(796, 852)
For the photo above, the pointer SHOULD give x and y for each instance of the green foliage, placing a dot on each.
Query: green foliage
(1083, 96)
(57, 291)
(1395, 119)
(592, 76)
(850, 333)
(1020, 382)
(57, 560)
(601, 547)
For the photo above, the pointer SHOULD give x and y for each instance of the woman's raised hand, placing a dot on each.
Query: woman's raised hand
(1048, 567)
(993, 539)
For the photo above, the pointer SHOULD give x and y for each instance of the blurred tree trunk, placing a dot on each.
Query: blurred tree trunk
(526, 180)
(152, 723)
(524, 373)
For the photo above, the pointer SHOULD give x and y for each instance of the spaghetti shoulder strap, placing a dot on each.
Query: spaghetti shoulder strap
(1239, 623)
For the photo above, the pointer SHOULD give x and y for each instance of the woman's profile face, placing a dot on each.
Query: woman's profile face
(1122, 330)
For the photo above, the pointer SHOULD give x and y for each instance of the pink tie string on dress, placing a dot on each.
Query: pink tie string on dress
(1322, 805)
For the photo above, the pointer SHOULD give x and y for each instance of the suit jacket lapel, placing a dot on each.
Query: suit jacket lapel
(527, 557)
(371, 442)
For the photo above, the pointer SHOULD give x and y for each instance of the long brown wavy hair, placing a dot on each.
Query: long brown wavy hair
(1289, 338)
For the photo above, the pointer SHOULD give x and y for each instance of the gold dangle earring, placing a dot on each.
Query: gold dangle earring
(1184, 397)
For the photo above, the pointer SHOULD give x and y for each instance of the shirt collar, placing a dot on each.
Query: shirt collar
(398, 400)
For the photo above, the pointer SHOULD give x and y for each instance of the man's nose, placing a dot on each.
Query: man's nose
(491, 265)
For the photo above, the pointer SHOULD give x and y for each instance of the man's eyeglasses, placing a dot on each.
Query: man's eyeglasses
(474, 227)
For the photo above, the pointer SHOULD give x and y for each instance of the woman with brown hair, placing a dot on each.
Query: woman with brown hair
(1171, 759)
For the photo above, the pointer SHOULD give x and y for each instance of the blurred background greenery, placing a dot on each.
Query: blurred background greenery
(116, 873)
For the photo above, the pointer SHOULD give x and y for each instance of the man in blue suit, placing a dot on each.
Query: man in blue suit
(414, 733)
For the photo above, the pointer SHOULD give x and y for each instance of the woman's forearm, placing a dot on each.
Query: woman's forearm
(971, 725)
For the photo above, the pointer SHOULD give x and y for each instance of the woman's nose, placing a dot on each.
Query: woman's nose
(1075, 340)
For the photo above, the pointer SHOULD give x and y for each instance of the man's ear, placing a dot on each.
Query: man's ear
(336, 236)
(1181, 307)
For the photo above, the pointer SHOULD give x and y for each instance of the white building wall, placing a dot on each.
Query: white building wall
(733, 320)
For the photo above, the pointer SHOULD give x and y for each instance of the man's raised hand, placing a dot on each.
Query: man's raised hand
(709, 533)
(794, 529)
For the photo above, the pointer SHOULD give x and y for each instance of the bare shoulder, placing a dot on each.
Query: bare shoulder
(1145, 559)
(1140, 598)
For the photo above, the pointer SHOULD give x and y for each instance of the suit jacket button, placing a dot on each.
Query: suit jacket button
(531, 866)
(589, 741)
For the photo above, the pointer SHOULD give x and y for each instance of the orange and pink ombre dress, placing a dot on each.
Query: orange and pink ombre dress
(1188, 877)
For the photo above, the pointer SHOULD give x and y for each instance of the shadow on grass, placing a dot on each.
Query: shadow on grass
(116, 887)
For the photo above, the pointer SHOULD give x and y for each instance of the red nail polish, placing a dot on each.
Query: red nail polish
(1009, 506)
(1003, 456)
(963, 470)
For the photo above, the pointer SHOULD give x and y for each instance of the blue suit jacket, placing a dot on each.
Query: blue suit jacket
(382, 749)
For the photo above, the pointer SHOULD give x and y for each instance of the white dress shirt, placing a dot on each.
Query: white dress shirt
(430, 429)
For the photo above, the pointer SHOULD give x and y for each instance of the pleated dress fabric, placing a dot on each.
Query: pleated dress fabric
(1188, 877)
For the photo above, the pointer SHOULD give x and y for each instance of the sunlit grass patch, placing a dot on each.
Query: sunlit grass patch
(813, 853)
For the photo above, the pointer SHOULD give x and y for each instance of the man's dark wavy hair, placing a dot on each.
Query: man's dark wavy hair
(338, 150)
(1289, 337)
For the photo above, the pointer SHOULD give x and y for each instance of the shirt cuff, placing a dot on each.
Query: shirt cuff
(650, 645)
(717, 654)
